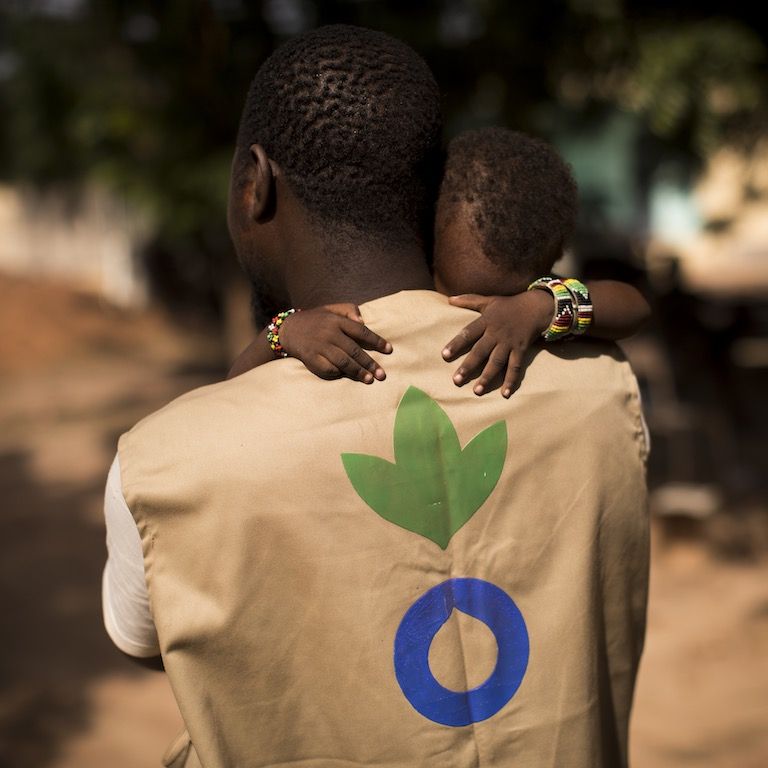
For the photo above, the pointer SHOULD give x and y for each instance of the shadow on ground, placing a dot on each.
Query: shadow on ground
(51, 556)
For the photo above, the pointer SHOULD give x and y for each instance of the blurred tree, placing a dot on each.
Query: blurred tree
(145, 96)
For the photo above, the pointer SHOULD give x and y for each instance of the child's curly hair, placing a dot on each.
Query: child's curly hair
(521, 193)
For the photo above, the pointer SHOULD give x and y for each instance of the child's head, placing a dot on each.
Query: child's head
(506, 210)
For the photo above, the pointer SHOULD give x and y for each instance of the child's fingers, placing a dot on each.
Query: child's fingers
(470, 301)
(466, 337)
(512, 377)
(351, 311)
(474, 361)
(497, 363)
(336, 363)
(356, 357)
(321, 366)
(367, 338)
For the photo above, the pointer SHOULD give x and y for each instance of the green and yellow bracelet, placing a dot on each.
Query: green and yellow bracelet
(565, 314)
(584, 307)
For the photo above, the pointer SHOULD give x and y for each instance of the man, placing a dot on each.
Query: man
(402, 574)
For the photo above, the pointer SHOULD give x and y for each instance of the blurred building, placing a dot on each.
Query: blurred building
(89, 238)
(722, 242)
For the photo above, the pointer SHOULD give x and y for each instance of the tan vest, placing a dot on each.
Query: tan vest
(400, 574)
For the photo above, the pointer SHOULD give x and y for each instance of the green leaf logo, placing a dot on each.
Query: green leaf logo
(434, 486)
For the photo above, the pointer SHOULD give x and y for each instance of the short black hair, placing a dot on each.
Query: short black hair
(522, 196)
(353, 118)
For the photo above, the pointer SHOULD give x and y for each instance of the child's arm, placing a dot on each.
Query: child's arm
(508, 325)
(330, 341)
(619, 310)
(255, 354)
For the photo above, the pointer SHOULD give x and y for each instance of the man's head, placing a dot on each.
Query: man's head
(507, 208)
(340, 132)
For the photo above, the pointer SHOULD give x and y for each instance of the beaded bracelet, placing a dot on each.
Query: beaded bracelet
(584, 306)
(273, 332)
(564, 316)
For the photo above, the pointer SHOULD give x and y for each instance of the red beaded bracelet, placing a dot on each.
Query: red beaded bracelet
(273, 332)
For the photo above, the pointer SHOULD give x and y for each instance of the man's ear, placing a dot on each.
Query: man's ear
(262, 199)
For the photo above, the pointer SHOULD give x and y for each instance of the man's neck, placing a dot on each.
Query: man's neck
(368, 274)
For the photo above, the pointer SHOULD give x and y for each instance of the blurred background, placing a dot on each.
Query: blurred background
(119, 290)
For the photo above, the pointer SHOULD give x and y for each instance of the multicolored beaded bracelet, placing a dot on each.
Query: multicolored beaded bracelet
(273, 332)
(564, 316)
(584, 307)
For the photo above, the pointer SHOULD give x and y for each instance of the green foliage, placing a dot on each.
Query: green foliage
(700, 76)
(145, 101)
(434, 486)
(146, 96)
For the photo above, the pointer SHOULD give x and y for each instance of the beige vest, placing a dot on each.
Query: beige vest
(305, 542)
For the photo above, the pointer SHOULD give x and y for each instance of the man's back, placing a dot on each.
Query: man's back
(297, 583)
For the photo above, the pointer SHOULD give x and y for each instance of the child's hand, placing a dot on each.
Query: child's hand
(331, 340)
(507, 326)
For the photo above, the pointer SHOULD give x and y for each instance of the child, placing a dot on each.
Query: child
(506, 210)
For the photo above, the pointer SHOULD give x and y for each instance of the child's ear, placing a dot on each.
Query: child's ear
(261, 175)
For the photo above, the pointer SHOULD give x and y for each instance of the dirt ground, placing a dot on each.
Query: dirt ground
(75, 373)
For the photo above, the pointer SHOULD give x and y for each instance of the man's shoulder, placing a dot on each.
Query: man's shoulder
(282, 396)
(583, 364)
(183, 405)
(246, 390)
(587, 353)
(204, 428)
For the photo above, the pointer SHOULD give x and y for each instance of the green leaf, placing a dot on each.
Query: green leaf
(434, 486)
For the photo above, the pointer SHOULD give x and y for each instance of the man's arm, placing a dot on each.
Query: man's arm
(125, 599)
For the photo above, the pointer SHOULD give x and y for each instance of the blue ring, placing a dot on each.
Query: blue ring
(422, 621)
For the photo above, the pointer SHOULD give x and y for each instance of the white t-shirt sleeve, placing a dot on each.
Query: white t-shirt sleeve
(125, 599)
(644, 425)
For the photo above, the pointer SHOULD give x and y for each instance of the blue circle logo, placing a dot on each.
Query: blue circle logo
(422, 621)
